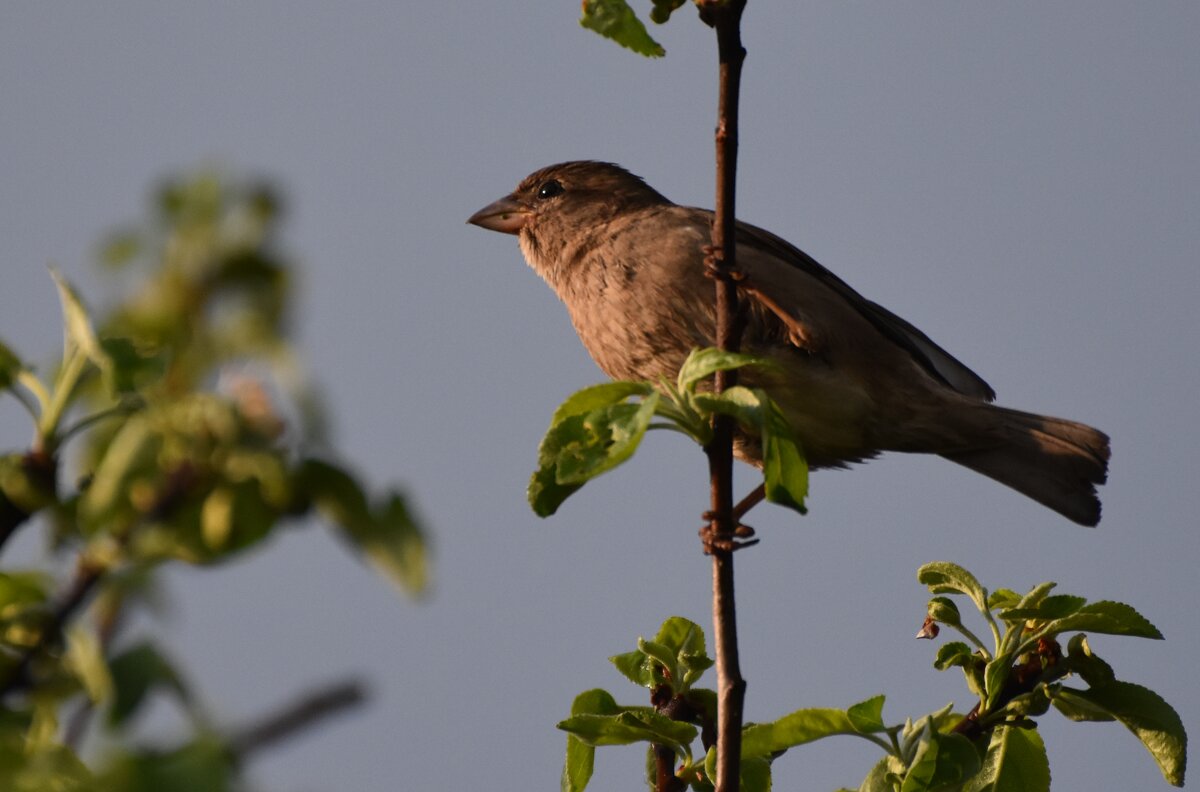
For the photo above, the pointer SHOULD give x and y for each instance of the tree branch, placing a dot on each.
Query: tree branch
(296, 717)
(725, 17)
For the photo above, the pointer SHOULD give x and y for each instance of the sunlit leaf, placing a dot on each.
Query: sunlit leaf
(577, 769)
(643, 725)
(1144, 713)
(1015, 762)
(943, 577)
(1111, 618)
(614, 19)
(703, 363)
(867, 716)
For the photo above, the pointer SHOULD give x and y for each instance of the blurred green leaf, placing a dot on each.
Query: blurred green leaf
(121, 247)
(1144, 713)
(1015, 762)
(662, 10)
(10, 367)
(136, 672)
(203, 765)
(54, 768)
(614, 19)
(388, 536)
(77, 321)
(85, 659)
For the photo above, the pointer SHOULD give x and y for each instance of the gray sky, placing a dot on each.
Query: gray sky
(1020, 180)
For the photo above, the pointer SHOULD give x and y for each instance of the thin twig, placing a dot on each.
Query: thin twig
(296, 717)
(725, 17)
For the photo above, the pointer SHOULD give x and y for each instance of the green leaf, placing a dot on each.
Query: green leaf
(594, 397)
(625, 728)
(941, 761)
(581, 446)
(877, 778)
(78, 324)
(577, 768)
(943, 577)
(120, 248)
(53, 768)
(867, 716)
(203, 764)
(1082, 661)
(955, 653)
(797, 728)
(785, 470)
(755, 774)
(634, 666)
(614, 19)
(10, 367)
(1003, 598)
(85, 659)
(1054, 607)
(685, 639)
(1111, 618)
(1015, 762)
(126, 369)
(943, 609)
(135, 673)
(995, 677)
(703, 363)
(1144, 713)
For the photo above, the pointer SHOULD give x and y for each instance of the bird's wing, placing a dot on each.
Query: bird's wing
(939, 363)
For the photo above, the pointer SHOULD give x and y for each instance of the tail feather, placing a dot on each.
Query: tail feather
(1056, 462)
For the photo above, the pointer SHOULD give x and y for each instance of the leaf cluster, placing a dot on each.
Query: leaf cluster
(601, 426)
(994, 748)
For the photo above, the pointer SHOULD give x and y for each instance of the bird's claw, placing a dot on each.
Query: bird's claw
(714, 266)
(713, 541)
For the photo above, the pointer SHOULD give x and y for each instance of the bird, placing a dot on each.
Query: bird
(852, 378)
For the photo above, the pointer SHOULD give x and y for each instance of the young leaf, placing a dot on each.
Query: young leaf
(955, 653)
(634, 666)
(1015, 762)
(1054, 607)
(797, 728)
(577, 768)
(78, 325)
(941, 761)
(785, 470)
(596, 396)
(85, 659)
(614, 19)
(630, 726)
(10, 367)
(137, 671)
(1144, 713)
(943, 577)
(703, 363)
(1110, 618)
(867, 716)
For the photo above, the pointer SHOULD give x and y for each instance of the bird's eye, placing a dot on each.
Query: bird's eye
(549, 189)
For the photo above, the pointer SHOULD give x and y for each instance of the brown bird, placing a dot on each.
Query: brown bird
(853, 378)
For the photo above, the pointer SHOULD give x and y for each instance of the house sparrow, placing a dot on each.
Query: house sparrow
(852, 378)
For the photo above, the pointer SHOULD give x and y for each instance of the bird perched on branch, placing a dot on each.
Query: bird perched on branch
(852, 378)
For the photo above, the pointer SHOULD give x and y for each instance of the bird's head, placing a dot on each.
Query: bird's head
(570, 197)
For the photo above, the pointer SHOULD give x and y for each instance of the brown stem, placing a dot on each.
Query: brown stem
(87, 575)
(725, 17)
(296, 717)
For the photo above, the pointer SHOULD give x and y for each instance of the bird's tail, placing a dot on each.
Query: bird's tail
(1056, 462)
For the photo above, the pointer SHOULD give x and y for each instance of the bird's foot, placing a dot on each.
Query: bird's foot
(714, 541)
(715, 268)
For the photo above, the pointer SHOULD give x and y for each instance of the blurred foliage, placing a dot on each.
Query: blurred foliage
(195, 437)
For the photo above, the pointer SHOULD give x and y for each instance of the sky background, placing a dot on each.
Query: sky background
(1020, 180)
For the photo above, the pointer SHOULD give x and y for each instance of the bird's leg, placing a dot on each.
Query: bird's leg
(741, 536)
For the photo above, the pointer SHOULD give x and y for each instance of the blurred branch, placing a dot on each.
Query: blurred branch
(296, 717)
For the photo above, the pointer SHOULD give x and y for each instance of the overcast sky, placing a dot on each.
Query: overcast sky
(1020, 180)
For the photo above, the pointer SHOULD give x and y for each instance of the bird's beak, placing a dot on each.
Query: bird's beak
(508, 216)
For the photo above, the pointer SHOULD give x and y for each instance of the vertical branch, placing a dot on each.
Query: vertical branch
(725, 17)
